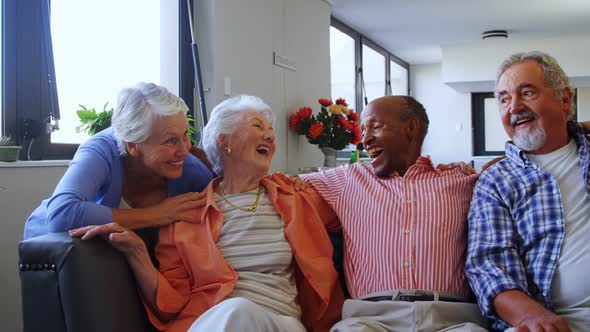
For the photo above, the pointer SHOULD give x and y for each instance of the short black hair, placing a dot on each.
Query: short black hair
(416, 110)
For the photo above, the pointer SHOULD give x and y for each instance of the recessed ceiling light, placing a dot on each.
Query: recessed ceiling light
(494, 34)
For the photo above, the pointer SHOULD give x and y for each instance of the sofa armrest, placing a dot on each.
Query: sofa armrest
(75, 286)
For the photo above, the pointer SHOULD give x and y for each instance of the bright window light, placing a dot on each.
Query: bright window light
(374, 73)
(342, 66)
(99, 48)
(399, 79)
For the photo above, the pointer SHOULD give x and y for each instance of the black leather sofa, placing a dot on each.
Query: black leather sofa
(71, 285)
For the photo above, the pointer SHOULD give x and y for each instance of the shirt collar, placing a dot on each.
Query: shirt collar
(422, 164)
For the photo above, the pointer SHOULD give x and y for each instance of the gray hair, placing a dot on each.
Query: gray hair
(223, 121)
(553, 74)
(137, 109)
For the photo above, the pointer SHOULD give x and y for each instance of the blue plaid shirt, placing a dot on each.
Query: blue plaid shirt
(516, 226)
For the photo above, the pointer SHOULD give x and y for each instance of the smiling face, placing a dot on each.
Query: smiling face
(533, 115)
(388, 138)
(164, 151)
(252, 145)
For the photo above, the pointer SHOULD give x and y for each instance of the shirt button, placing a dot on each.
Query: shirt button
(409, 201)
(544, 293)
(406, 264)
(553, 257)
(554, 191)
(407, 231)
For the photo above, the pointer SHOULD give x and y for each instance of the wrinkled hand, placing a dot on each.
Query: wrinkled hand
(178, 208)
(121, 238)
(543, 322)
(463, 167)
(297, 183)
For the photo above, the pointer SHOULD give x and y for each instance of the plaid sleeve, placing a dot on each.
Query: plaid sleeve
(493, 263)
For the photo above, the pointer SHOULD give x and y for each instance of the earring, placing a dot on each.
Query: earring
(228, 150)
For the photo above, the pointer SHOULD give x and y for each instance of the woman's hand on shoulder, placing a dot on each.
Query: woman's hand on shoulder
(179, 208)
(121, 238)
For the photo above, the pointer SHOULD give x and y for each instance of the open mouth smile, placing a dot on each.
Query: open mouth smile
(375, 151)
(518, 120)
(263, 150)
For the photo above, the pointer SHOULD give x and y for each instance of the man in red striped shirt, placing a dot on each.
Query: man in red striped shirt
(404, 224)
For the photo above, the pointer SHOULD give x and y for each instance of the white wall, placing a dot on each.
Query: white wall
(472, 67)
(237, 47)
(21, 191)
(449, 133)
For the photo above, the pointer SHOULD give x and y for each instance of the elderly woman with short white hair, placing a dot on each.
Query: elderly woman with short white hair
(129, 173)
(259, 259)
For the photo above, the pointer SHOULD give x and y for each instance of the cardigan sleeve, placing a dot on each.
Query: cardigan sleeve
(173, 290)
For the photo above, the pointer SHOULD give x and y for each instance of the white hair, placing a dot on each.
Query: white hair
(223, 121)
(137, 109)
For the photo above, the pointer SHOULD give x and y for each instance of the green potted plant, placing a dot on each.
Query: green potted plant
(8, 151)
(93, 122)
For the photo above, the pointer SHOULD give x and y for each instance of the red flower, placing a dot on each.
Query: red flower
(304, 113)
(341, 101)
(353, 116)
(347, 125)
(315, 130)
(294, 121)
(356, 132)
(325, 102)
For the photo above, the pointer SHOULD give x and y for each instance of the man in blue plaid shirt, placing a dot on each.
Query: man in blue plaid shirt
(528, 258)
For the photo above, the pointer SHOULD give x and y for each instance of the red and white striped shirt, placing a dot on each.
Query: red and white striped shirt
(405, 232)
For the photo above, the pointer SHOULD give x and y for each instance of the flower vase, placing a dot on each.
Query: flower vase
(329, 157)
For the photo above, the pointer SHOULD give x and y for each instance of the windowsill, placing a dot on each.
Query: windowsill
(34, 163)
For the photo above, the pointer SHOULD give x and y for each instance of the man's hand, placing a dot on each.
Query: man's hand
(544, 321)
(526, 315)
(463, 167)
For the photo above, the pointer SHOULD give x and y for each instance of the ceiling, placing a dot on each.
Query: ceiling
(415, 30)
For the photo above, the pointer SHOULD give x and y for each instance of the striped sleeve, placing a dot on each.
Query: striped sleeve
(329, 183)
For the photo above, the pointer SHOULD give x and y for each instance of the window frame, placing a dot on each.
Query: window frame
(361, 40)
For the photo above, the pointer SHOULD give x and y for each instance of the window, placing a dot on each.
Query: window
(398, 79)
(352, 54)
(489, 135)
(95, 60)
(84, 52)
(373, 73)
(342, 66)
(1, 59)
